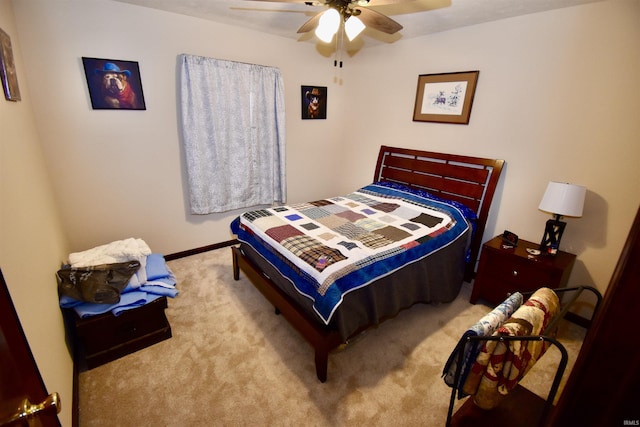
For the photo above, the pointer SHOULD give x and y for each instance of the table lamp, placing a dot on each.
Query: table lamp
(560, 199)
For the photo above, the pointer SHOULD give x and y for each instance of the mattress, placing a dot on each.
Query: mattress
(364, 256)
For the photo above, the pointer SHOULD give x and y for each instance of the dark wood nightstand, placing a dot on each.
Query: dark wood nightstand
(503, 271)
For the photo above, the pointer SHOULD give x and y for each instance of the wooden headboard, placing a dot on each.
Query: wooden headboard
(468, 180)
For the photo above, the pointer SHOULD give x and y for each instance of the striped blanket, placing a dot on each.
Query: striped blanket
(330, 247)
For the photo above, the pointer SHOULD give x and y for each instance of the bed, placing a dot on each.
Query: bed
(422, 216)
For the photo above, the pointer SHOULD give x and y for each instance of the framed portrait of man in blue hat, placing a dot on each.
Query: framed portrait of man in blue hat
(114, 84)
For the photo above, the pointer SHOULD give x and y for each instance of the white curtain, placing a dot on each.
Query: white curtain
(234, 133)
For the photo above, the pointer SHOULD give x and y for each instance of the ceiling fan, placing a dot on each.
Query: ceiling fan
(352, 14)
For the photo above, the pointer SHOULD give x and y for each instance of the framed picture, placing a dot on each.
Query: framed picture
(314, 102)
(8, 69)
(114, 84)
(445, 98)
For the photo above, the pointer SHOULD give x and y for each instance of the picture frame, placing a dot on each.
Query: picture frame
(114, 84)
(314, 102)
(445, 97)
(8, 69)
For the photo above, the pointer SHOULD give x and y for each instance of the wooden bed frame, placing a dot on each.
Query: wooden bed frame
(469, 180)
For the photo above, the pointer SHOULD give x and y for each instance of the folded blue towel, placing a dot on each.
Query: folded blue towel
(156, 267)
(68, 302)
(159, 290)
(139, 303)
(130, 299)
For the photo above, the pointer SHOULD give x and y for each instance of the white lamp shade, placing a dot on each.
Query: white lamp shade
(353, 27)
(563, 199)
(328, 25)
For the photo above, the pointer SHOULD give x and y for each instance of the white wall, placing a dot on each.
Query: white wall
(556, 98)
(32, 241)
(121, 174)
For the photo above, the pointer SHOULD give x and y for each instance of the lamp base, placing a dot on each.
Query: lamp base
(552, 235)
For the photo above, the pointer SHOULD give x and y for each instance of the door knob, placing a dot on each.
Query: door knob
(27, 411)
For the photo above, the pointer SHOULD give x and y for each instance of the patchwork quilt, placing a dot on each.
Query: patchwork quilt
(500, 365)
(483, 328)
(330, 247)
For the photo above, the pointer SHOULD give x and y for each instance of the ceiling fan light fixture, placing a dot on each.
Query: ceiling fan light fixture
(328, 25)
(353, 27)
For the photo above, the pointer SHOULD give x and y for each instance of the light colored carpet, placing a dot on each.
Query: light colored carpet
(233, 362)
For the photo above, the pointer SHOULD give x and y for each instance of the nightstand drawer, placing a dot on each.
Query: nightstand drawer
(502, 271)
(518, 273)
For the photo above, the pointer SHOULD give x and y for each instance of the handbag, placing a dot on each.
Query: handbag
(101, 284)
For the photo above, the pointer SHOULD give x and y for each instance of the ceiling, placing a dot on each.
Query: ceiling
(418, 17)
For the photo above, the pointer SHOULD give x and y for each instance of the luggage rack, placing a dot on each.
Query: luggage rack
(475, 414)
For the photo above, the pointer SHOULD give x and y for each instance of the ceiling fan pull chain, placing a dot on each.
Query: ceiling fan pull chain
(335, 52)
(339, 45)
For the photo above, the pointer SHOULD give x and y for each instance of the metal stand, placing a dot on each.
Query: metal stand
(548, 404)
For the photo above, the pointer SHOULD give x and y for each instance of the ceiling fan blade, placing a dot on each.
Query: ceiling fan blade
(376, 2)
(378, 21)
(310, 24)
(307, 2)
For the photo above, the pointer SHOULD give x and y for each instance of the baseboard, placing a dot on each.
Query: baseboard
(171, 257)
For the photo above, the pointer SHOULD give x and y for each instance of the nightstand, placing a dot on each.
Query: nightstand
(504, 271)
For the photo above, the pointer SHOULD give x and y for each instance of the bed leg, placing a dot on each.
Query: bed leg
(236, 267)
(322, 359)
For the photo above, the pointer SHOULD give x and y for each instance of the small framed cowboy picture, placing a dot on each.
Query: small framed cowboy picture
(314, 102)
(114, 84)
